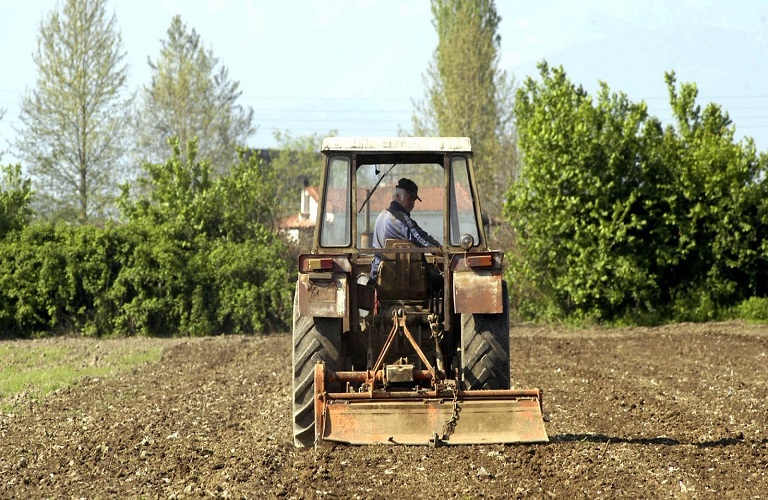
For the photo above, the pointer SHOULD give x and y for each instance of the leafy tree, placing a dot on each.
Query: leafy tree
(182, 193)
(204, 260)
(15, 194)
(617, 217)
(191, 96)
(74, 120)
(468, 95)
(195, 257)
(574, 206)
(174, 191)
(718, 211)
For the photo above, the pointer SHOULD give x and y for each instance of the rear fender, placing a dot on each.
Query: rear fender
(477, 283)
(324, 286)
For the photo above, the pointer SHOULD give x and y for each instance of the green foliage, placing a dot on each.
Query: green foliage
(250, 283)
(718, 209)
(33, 283)
(152, 293)
(74, 121)
(56, 278)
(617, 218)
(191, 97)
(204, 260)
(15, 194)
(183, 193)
(175, 191)
(753, 309)
(170, 285)
(195, 257)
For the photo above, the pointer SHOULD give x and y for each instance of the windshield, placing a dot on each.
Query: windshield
(427, 213)
(375, 185)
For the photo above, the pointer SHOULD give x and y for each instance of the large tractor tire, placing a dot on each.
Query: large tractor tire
(314, 340)
(485, 348)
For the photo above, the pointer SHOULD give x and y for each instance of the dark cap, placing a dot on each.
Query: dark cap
(409, 186)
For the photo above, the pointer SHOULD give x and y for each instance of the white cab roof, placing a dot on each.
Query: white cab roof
(431, 144)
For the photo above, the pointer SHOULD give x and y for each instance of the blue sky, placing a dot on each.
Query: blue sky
(311, 66)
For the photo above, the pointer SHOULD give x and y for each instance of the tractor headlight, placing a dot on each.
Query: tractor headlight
(467, 241)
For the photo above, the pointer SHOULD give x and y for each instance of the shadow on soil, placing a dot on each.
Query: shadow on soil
(600, 438)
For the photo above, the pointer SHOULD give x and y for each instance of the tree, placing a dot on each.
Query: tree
(718, 211)
(205, 259)
(191, 96)
(74, 121)
(15, 193)
(616, 217)
(468, 95)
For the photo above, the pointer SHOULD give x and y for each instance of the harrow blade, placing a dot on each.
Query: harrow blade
(424, 418)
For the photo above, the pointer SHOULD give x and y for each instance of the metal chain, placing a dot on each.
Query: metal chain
(450, 424)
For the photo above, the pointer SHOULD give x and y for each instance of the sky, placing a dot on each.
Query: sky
(356, 66)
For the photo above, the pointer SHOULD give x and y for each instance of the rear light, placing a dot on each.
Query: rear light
(319, 264)
(475, 261)
(312, 263)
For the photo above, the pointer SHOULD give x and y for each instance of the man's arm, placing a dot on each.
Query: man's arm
(422, 237)
(418, 235)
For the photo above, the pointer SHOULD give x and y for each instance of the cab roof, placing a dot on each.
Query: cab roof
(405, 144)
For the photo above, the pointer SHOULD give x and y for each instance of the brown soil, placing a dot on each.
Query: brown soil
(676, 411)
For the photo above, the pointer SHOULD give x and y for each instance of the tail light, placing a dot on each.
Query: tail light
(324, 263)
(319, 264)
(479, 261)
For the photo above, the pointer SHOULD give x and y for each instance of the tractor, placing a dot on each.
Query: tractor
(417, 350)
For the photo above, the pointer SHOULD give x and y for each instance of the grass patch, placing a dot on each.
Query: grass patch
(32, 369)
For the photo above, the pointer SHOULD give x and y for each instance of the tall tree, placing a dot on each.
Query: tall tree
(72, 135)
(468, 95)
(191, 96)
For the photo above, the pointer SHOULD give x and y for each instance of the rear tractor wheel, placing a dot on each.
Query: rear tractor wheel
(485, 348)
(314, 340)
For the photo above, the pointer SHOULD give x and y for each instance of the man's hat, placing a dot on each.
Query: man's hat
(409, 186)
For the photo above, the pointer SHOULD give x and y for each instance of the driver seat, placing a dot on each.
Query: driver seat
(401, 275)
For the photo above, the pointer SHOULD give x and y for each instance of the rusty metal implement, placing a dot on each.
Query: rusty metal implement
(441, 414)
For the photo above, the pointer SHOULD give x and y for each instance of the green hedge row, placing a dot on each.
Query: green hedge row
(138, 279)
(192, 256)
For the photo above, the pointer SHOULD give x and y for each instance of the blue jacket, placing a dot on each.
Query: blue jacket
(395, 222)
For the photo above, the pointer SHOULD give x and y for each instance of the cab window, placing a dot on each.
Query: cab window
(461, 203)
(335, 218)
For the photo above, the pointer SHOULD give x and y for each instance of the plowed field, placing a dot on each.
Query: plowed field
(675, 411)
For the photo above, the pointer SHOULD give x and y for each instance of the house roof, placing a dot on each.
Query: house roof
(297, 221)
(312, 192)
(432, 197)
